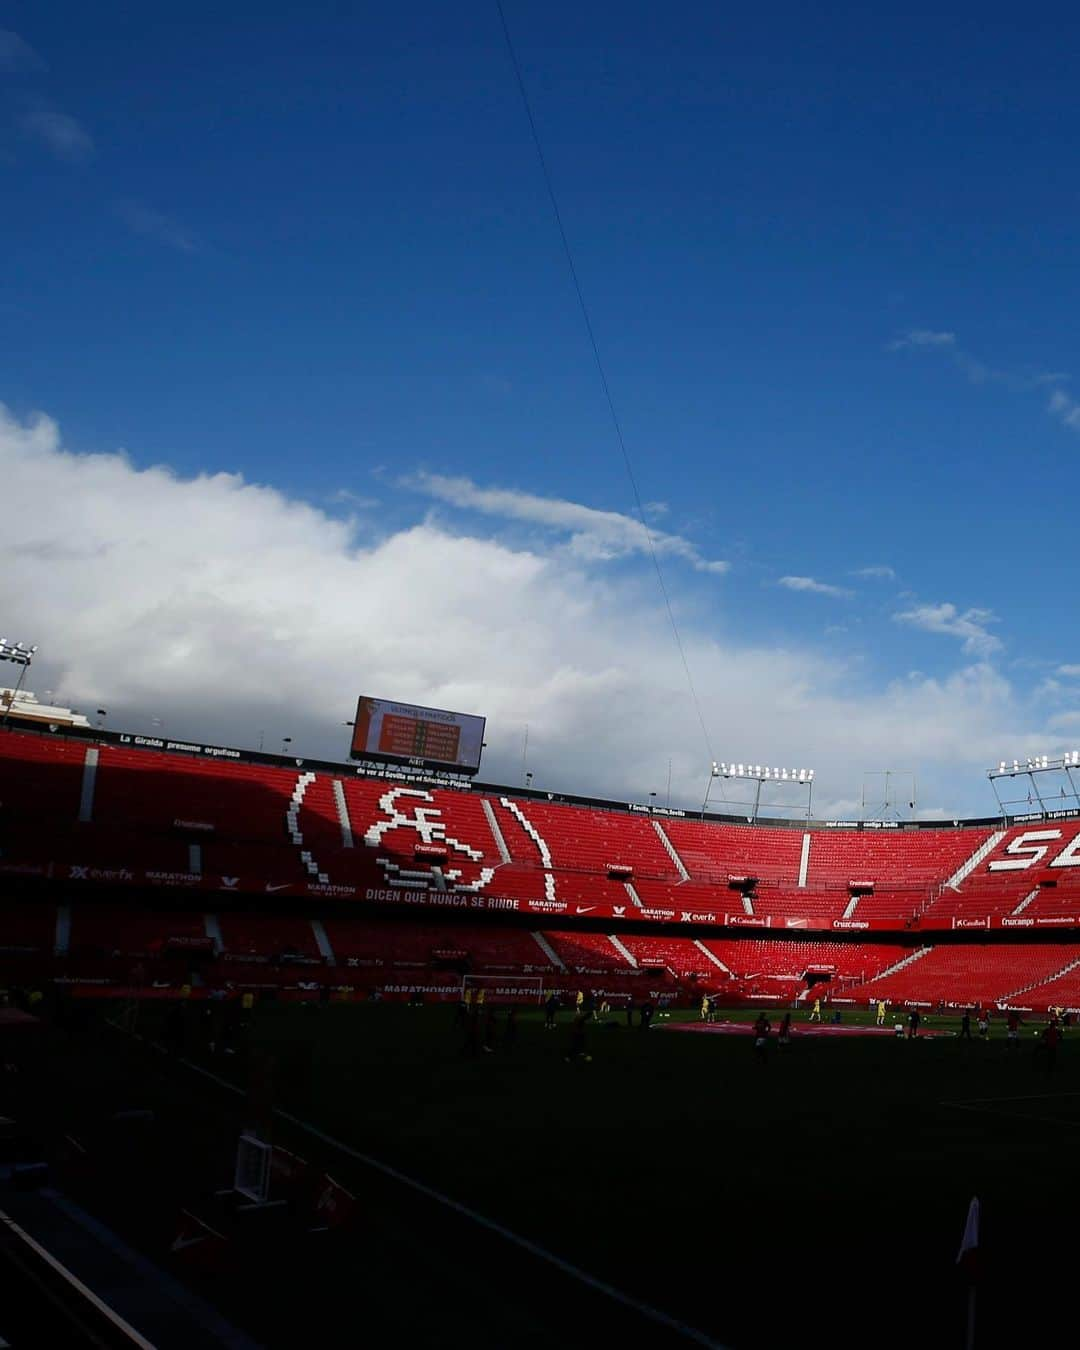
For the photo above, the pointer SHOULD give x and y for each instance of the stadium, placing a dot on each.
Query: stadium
(570, 397)
(199, 922)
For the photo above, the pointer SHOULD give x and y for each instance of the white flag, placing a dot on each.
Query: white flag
(969, 1247)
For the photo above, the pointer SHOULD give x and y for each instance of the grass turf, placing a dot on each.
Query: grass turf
(820, 1194)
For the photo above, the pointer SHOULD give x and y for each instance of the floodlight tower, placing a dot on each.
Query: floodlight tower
(21, 655)
(1037, 770)
(759, 775)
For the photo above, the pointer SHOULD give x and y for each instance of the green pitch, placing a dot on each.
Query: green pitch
(820, 1194)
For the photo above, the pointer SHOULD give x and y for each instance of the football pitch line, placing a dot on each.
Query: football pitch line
(646, 1310)
(993, 1106)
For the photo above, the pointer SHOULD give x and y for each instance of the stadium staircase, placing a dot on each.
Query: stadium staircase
(671, 851)
(1045, 980)
(711, 956)
(622, 949)
(804, 860)
(904, 963)
(89, 780)
(1031, 895)
(969, 865)
(548, 950)
(496, 831)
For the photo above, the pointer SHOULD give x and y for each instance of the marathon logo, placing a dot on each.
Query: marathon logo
(656, 913)
(328, 888)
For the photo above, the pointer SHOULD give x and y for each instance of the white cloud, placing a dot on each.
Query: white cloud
(1070, 672)
(812, 587)
(346, 497)
(143, 219)
(1066, 409)
(59, 133)
(16, 56)
(877, 573)
(978, 372)
(594, 535)
(230, 609)
(969, 626)
(922, 337)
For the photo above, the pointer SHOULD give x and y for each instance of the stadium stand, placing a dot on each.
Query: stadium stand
(752, 958)
(967, 974)
(711, 854)
(196, 827)
(589, 951)
(27, 928)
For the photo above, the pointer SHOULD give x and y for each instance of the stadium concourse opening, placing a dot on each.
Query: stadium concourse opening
(292, 1020)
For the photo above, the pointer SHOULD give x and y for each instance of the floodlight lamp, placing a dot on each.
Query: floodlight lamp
(810, 775)
(740, 768)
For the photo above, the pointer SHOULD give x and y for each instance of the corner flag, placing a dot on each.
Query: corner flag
(968, 1256)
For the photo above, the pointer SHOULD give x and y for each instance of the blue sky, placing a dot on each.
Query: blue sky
(829, 262)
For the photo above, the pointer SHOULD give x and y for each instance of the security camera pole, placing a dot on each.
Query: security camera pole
(20, 655)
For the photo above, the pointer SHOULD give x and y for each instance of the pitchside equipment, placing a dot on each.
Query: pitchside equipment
(252, 1176)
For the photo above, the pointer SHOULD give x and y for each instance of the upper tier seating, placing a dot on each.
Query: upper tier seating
(713, 853)
(286, 827)
(895, 859)
(1037, 889)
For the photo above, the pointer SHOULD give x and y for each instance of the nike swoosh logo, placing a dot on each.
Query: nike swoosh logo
(278, 888)
(585, 909)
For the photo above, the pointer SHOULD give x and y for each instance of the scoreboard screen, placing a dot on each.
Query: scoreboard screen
(403, 732)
